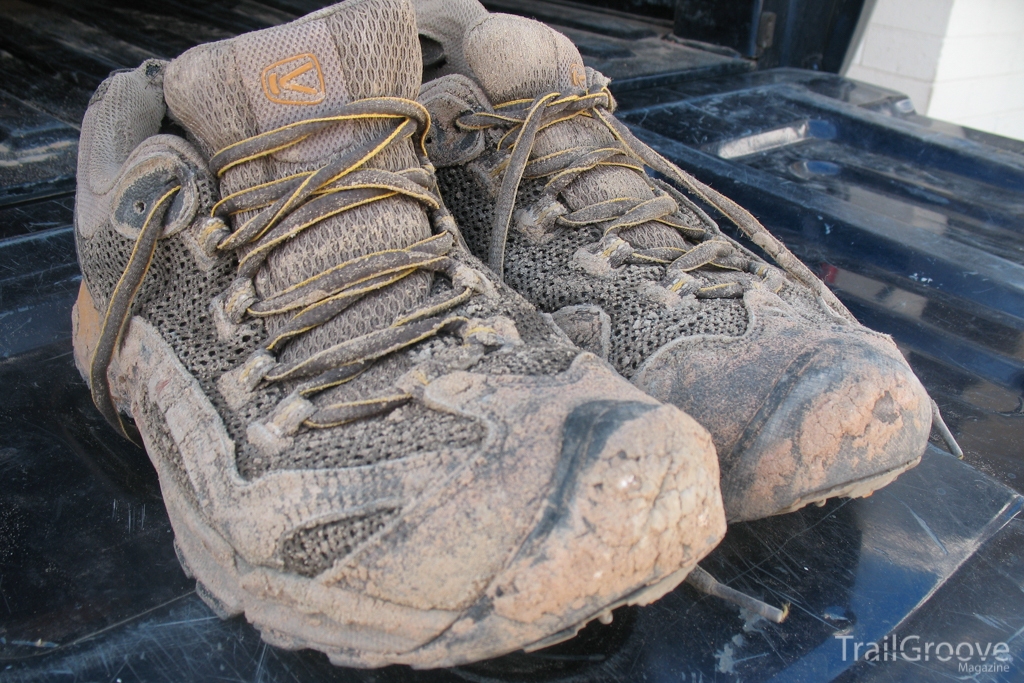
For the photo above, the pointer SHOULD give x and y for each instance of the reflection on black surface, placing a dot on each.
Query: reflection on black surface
(599, 652)
(858, 187)
(977, 605)
(973, 213)
(84, 539)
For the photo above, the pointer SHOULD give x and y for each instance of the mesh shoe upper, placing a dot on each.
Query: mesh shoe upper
(364, 442)
(634, 270)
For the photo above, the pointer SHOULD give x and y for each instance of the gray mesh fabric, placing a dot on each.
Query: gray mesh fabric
(514, 58)
(310, 551)
(176, 298)
(494, 50)
(552, 190)
(370, 56)
(177, 292)
(543, 273)
(366, 442)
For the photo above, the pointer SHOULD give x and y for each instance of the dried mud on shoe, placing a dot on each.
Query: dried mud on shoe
(367, 444)
(551, 189)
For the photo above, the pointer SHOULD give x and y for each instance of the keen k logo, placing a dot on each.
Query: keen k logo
(296, 80)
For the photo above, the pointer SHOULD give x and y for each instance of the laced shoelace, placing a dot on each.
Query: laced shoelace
(284, 208)
(524, 119)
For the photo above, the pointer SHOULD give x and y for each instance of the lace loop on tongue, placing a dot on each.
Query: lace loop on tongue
(284, 209)
(529, 117)
(288, 206)
(373, 108)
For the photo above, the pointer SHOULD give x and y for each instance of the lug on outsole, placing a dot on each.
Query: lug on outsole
(644, 596)
(862, 488)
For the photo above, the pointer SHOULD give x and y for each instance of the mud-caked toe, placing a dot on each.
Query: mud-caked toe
(799, 413)
(629, 509)
(843, 421)
(802, 401)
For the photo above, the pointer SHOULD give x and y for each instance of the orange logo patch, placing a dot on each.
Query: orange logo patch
(296, 80)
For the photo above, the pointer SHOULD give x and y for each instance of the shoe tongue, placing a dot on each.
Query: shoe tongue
(227, 91)
(516, 58)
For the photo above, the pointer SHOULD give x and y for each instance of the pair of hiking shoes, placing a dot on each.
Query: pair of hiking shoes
(376, 446)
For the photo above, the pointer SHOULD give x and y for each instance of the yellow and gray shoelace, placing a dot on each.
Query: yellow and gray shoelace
(279, 211)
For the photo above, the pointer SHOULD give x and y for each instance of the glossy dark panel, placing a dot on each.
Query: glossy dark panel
(36, 215)
(86, 540)
(578, 16)
(812, 35)
(982, 603)
(38, 153)
(39, 279)
(635, 52)
(658, 10)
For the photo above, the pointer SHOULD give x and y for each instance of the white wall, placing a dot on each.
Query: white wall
(901, 47)
(980, 77)
(958, 60)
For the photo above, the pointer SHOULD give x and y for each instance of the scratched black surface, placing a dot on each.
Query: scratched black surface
(915, 223)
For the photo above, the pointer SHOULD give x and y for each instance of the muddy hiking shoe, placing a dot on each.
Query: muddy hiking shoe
(803, 403)
(365, 442)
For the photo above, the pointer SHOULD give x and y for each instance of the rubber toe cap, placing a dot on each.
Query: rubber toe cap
(843, 419)
(634, 505)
